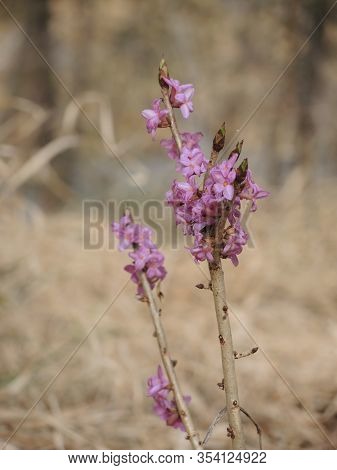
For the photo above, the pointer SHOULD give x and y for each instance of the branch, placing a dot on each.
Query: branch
(235, 431)
(220, 417)
(169, 367)
(245, 354)
(227, 353)
(258, 429)
(163, 72)
(217, 280)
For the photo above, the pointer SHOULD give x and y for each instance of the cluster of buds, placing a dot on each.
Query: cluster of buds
(146, 258)
(165, 407)
(209, 196)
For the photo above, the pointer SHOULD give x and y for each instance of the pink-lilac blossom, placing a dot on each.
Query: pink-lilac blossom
(235, 243)
(191, 162)
(221, 180)
(166, 408)
(181, 192)
(145, 255)
(189, 140)
(252, 191)
(155, 117)
(158, 384)
(201, 250)
(181, 96)
(197, 205)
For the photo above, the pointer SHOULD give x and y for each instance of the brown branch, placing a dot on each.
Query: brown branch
(219, 295)
(227, 354)
(245, 354)
(163, 73)
(169, 367)
(258, 429)
(217, 280)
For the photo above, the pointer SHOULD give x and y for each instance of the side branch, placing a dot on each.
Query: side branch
(169, 367)
(245, 354)
(257, 427)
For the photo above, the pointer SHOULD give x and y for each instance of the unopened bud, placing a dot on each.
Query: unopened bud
(219, 139)
(163, 73)
(200, 286)
(241, 171)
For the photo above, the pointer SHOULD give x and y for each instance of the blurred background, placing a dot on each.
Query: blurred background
(61, 55)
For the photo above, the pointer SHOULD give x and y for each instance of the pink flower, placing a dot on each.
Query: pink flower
(155, 117)
(201, 250)
(124, 231)
(252, 191)
(140, 257)
(192, 162)
(157, 384)
(189, 140)
(155, 270)
(181, 192)
(131, 269)
(235, 243)
(165, 408)
(184, 97)
(145, 255)
(222, 177)
(171, 148)
(181, 96)
(167, 411)
(129, 233)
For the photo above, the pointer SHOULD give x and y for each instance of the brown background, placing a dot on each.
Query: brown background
(283, 295)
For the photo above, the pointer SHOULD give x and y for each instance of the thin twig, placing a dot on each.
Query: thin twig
(258, 429)
(169, 367)
(245, 354)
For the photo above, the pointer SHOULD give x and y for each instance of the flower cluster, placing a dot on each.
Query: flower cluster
(146, 258)
(207, 194)
(158, 388)
(180, 97)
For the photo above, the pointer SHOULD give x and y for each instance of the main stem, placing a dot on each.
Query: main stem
(169, 368)
(227, 354)
(221, 309)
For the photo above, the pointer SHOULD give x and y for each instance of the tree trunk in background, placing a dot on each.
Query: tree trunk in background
(307, 75)
(33, 79)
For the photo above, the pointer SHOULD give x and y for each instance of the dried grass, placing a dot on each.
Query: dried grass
(52, 291)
